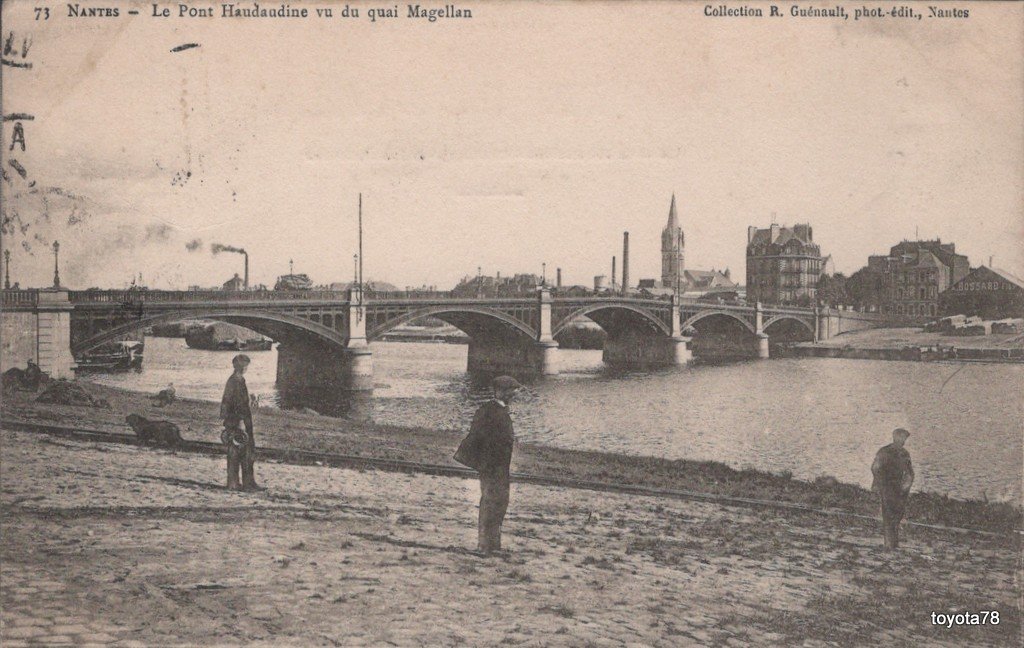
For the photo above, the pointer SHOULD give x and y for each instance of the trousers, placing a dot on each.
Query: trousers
(242, 459)
(894, 505)
(494, 491)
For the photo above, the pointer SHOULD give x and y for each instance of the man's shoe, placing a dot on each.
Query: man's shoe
(253, 487)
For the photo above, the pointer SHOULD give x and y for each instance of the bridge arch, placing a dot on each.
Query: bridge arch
(710, 313)
(612, 316)
(802, 324)
(274, 325)
(473, 320)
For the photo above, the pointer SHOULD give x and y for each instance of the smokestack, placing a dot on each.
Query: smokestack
(245, 280)
(558, 278)
(613, 274)
(625, 262)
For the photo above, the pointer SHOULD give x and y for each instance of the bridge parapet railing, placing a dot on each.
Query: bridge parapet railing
(448, 299)
(787, 310)
(188, 296)
(408, 295)
(19, 297)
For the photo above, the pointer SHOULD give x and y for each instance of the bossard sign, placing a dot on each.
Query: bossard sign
(986, 280)
(986, 286)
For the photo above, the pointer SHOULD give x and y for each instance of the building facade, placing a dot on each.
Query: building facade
(915, 273)
(784, 264)
(989, 293)
(703, 282)
(498, 286)
(673, 246)
(918, 282)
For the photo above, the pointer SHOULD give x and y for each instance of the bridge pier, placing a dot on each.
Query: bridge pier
(499, 357)
(38, 330)
(763, 351)
(631, 350)
(493, 354)
(311, 367)
(642, 349)
(762, 346)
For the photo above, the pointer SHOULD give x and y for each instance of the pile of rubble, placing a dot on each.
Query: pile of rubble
(973, 325)
(66, 392)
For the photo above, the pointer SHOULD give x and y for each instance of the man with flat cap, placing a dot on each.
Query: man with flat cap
(235, 412)
(488, 450)
(893, 476)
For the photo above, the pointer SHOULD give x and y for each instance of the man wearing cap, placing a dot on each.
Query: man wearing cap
(893, 476)
(488, 449)
(235, 411)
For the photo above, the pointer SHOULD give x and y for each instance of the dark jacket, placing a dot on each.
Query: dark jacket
(234, 406)
(488, 446)
(892, 471)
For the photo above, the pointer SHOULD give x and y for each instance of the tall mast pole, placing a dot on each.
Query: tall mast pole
(360, 247)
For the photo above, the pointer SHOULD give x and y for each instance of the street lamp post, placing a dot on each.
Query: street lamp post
(56, 267)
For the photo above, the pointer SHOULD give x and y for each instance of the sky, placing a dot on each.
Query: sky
(535, 132)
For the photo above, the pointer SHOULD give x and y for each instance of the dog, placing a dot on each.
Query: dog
(254, 401)
(154, 432)
(165, 397)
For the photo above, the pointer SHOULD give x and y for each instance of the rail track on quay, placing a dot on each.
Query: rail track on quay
(336, 460)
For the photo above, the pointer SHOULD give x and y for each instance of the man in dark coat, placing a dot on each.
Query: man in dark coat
(488, 449)
(893, 476)
(235, 411)
(33, 376)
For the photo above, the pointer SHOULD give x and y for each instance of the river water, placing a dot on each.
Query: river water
(810, 416)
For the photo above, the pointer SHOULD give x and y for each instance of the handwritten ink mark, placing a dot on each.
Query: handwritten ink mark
(17, 167)
(182, 48)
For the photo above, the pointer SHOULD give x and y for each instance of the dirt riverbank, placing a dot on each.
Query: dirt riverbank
(307, 431)
(124, 545)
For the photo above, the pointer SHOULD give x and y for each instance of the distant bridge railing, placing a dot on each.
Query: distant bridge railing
(179, 296)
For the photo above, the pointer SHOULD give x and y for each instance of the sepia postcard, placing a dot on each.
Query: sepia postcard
(540, 323)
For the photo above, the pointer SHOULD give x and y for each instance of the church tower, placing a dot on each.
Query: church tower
(672, 246)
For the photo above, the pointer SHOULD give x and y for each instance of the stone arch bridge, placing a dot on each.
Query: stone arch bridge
(323, 336)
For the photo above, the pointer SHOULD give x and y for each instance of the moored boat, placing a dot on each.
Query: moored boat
(122, 355)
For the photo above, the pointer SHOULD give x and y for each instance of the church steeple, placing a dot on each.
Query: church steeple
(672, 248)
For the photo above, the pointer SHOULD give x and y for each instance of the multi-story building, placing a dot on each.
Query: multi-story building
(784, 264)
(915, 273)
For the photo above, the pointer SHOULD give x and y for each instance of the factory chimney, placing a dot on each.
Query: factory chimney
(625, 262)
(558, 278)
(612, 287)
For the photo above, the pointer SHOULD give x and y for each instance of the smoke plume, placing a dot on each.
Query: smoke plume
(193, 245)
(217, 248)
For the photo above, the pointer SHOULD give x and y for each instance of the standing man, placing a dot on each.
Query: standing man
(488, 449)
(893, 476)
(33, 375)
(235, 411)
